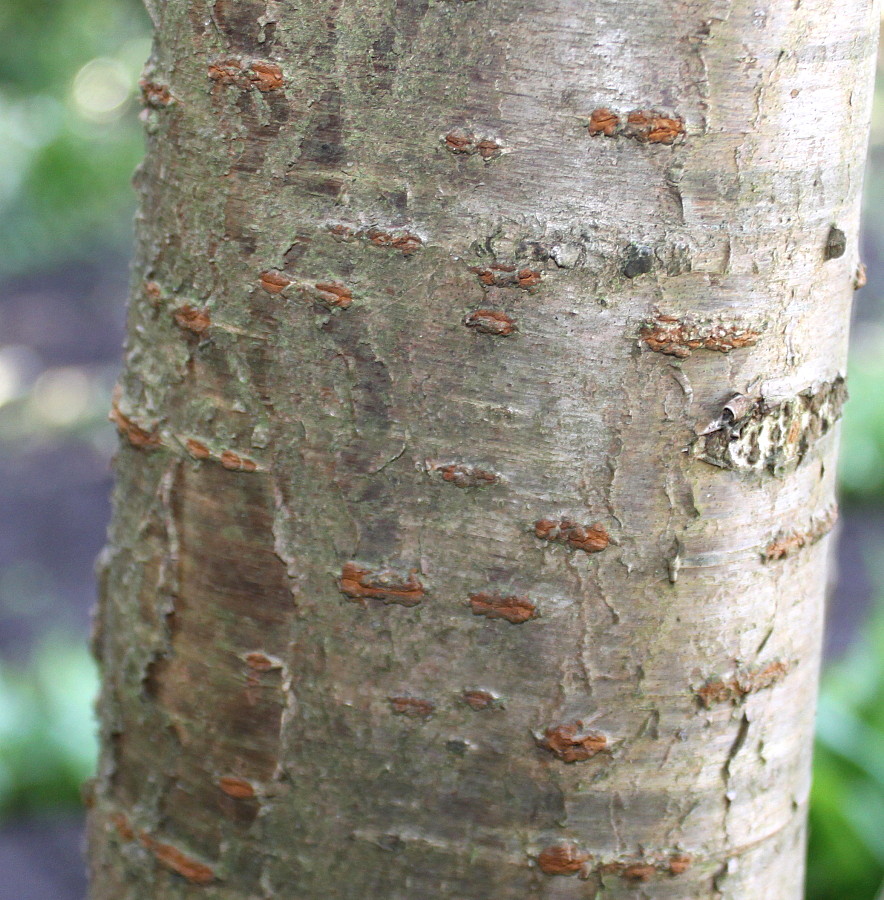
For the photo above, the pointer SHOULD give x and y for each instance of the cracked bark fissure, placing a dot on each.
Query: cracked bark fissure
(338, 658)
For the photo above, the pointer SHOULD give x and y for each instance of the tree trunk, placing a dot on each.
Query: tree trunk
(479, 431)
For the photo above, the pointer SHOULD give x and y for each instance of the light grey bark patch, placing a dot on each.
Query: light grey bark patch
(757, 435)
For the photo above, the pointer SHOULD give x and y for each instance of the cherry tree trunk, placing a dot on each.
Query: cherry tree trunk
(478, 433)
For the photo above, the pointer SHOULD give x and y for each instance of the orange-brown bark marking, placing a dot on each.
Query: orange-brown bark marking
(500, 275)
(237, 463)
(225, 71)
(266, 76)
(274, 282)
(413, 707)
(333, 294)
(391, 587)
(679, 863)
(197, 450)
(635, 871)
(488, 149)
(235, 787)
(459, 143)
(191, 319)
(465, 476)
(514, 609)
(465, 143)
(259, 74)
(653, 127)
(646, 126)
(644, 870)
(490, 321)
(172, 858)
(405, 243)
(787, 544)
(124, 829)
(478, 700)
(679, 338)
(571, 743)
(746, 681)
(589, 538)
(137, 436)
(342, 233)
(156, 96)
(562, 859)
(259, 662)
(604, 121)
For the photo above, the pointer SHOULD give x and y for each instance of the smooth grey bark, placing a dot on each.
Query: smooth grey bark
(478, 423)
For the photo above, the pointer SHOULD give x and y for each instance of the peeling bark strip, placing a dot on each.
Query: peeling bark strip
(645, 126)
(391, 587)
(791, 542)
(589, 538)
(177, 861)
(744, 681)
(258, 74)
(680, 336)
(562, 859)
(755, 435)
(493, 606)
(570, 742)
(463, 476)
(490, 321)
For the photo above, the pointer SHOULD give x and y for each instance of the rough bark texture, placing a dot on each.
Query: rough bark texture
(478, 430)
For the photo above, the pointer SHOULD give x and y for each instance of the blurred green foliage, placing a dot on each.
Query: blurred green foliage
(846, 855)
(861, 467)
(69, 133)
(47, 729)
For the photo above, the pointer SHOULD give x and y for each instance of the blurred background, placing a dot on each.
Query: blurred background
(69, 141)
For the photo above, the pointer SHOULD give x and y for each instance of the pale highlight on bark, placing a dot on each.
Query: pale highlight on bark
(478, 429)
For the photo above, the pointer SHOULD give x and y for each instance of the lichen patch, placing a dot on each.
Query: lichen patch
(753, 434)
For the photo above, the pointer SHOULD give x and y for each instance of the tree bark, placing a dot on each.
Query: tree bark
(479, 421)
